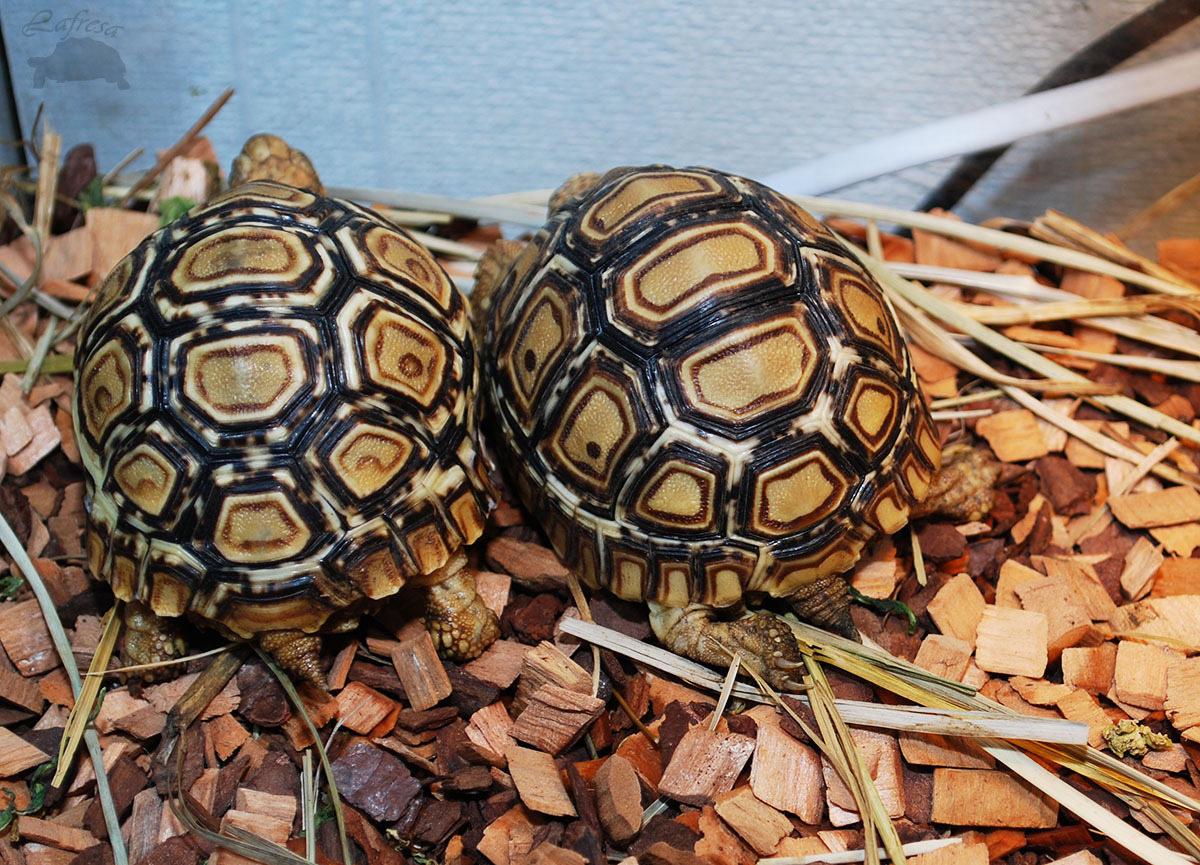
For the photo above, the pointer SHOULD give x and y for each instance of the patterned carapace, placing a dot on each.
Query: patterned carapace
(700, 392)
(276, 409)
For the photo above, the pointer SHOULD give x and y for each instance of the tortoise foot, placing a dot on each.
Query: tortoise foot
(460, 623)
(152, 639)
(764, 641)
(296, 652)
(826, 604)
(964, 488)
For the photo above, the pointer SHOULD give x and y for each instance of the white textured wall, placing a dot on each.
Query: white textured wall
(472, 99)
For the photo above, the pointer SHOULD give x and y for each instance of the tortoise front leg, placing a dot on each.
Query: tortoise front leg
(151, 639)
(296, 652)
(764, 641)
(460, 623)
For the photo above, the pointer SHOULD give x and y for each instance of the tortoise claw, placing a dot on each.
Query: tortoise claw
(793, 687)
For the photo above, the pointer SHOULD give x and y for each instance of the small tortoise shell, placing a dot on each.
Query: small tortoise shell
(276, 410)
(700, 392)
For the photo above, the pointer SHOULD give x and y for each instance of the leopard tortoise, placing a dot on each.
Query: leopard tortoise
(705, 400)
(276, 408)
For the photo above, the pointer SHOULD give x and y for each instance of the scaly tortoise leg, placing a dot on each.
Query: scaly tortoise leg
(764, 642)
(460, 623)
(151, 639)
(825, 603)
(297, 652)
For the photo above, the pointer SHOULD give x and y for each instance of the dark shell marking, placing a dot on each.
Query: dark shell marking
(277, 411)
(700, 393)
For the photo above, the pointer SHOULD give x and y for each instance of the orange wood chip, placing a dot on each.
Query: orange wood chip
(1014, 436)
(1167, 507)
(1013, 642)
(982, 797)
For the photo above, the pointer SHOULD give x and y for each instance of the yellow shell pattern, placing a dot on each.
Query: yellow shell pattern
(700, 393)
(276, 407)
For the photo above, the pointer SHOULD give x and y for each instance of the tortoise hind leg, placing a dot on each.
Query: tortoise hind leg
(764, 641)
(296, 652)
(151, 639)
(826, 603)
(460, 623)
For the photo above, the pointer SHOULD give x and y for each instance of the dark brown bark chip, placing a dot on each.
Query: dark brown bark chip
(678, 718)
(430, 719)
(174, 851)
(125, 780)
(663, 829)
(470, 693)
(99, 854)
(624, 616)
(276, 774)
(531, 618)
(263, 700)
(470, 781)
(1069, 490)
(439, 818)
(375, 781)
(941, 542)
(585, 841)
(742, 724)
(228, 780)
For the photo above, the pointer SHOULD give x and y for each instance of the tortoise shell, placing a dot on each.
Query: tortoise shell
(276, 409)
(700, 392)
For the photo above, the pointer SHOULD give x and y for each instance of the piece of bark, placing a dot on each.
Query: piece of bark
(718, 842)
(1177, 576)
(957, 607)
(226, 735)
(932, 749)
(1090, 667)
(420, 670)
(705, 764)
(1039, 692)
(1013, 574)
(126, 780)
(470, 693)
(165, 695)
(760, 825)
(507, 840)
(1141, 563)
(1181, 540)
(143, 824)
(44, 441)
(26, 639)
(538, 782)
(1083, 577)
(786, 774)
(555, 718)
(1012, 642)
(941, 251)
(1067, 620)
(1166, 507)
(1081, 706)
(880, 754)
(22, 691)
(374, 781)
(551, 854)
(1140, 674)
(645, 757)
(546, 665)
(17, 755)
(531, 565)
(955, 854)
(489, 730)
(1175, 618)
(1173, 759)
(275, 805)
(258, 824)
(54, 834)
(618, 799)
(944, 656)
(1014, 435)
(982, 797)
(1182, 702)
(362, 709)
(500, 663)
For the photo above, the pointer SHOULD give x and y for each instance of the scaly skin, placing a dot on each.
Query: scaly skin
(296, 652)
(151, 639)
(460, 623)
(764, 642)
(826, 604)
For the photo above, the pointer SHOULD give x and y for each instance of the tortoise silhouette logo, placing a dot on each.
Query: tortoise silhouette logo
(79, 58)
